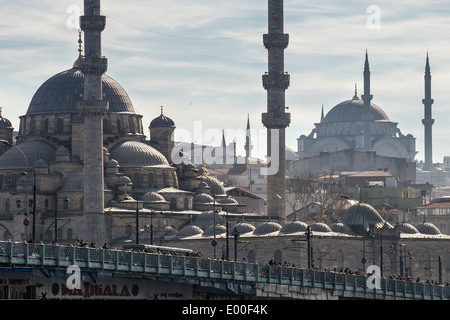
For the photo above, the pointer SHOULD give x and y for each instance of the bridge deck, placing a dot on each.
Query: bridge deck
(112, 260)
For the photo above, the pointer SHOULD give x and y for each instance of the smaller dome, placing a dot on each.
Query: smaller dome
(355, 215)
(220, 229)
(165, 232)
(152, 197)
(206, 219)
(162, 122)
(428, 228)
(123, 180)
(32, 150)
(340, 227)
(137, 154)
(266, 228)
(216, 185)
(407, 228)
(113, 163)
(293, 227)
(320, 227)
(74, 183)
(4, 123)
(62, 151)
(189, 231)
(229, 201)
(242, 228)
(203, 198)
(203, 185)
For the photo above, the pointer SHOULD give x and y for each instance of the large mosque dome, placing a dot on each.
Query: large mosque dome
(62, 92)
(352, 110)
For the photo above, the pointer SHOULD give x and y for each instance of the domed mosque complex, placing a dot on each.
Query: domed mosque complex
(45, 173)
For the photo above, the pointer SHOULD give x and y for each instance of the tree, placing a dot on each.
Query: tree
(324, 189)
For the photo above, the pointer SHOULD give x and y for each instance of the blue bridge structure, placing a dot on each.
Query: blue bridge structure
(29, 270)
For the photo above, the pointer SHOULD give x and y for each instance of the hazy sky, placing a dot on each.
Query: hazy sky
(203, 59)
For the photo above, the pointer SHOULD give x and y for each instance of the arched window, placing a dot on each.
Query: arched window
(131, 125)
(7, 205)
(186, 204)
(59, 125)
(151, 181)
(45, 127)
(136, 180)
(119, 126)
(106, 126)
(65, 204)
(173, 204)
(46, 203)
(164, 180)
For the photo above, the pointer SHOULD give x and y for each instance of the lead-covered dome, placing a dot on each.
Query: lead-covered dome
(428, 228)
(134, 154)
(62, 92)
(32, 150)
(352, 110)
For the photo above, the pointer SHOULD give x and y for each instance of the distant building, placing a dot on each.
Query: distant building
(356, 135)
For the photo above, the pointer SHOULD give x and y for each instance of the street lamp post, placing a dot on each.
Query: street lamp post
(236, 236)
(137, 221)
(309, 249)
(228, 242)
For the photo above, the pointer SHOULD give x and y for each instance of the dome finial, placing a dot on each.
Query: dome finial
(355, 97)
(80, 42)
(204, 172)
(162, 110)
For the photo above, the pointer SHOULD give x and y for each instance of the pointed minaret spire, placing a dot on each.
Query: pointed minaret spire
(428, 121)
(322, 117)
(248, 140)
(366, 113)
(367, 97)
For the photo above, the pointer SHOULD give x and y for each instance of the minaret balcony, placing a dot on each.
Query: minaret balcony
(276, 81)
(276, 40)
(92, 22)
(93, 65)
(93, 107)
(276, 120)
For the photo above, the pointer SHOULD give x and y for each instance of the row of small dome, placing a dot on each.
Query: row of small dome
(292, 227)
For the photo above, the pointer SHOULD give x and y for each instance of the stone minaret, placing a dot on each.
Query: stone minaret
(428, 121)
(367, 98)
(248, 141)
(276, 81)
(93, 108)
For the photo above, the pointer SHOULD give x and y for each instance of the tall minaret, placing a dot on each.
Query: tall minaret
(428, 121)
(276, 81)
(93, 108)
(367, 98)
(248, 141)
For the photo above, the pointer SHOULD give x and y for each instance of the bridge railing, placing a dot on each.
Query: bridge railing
(206, 268)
